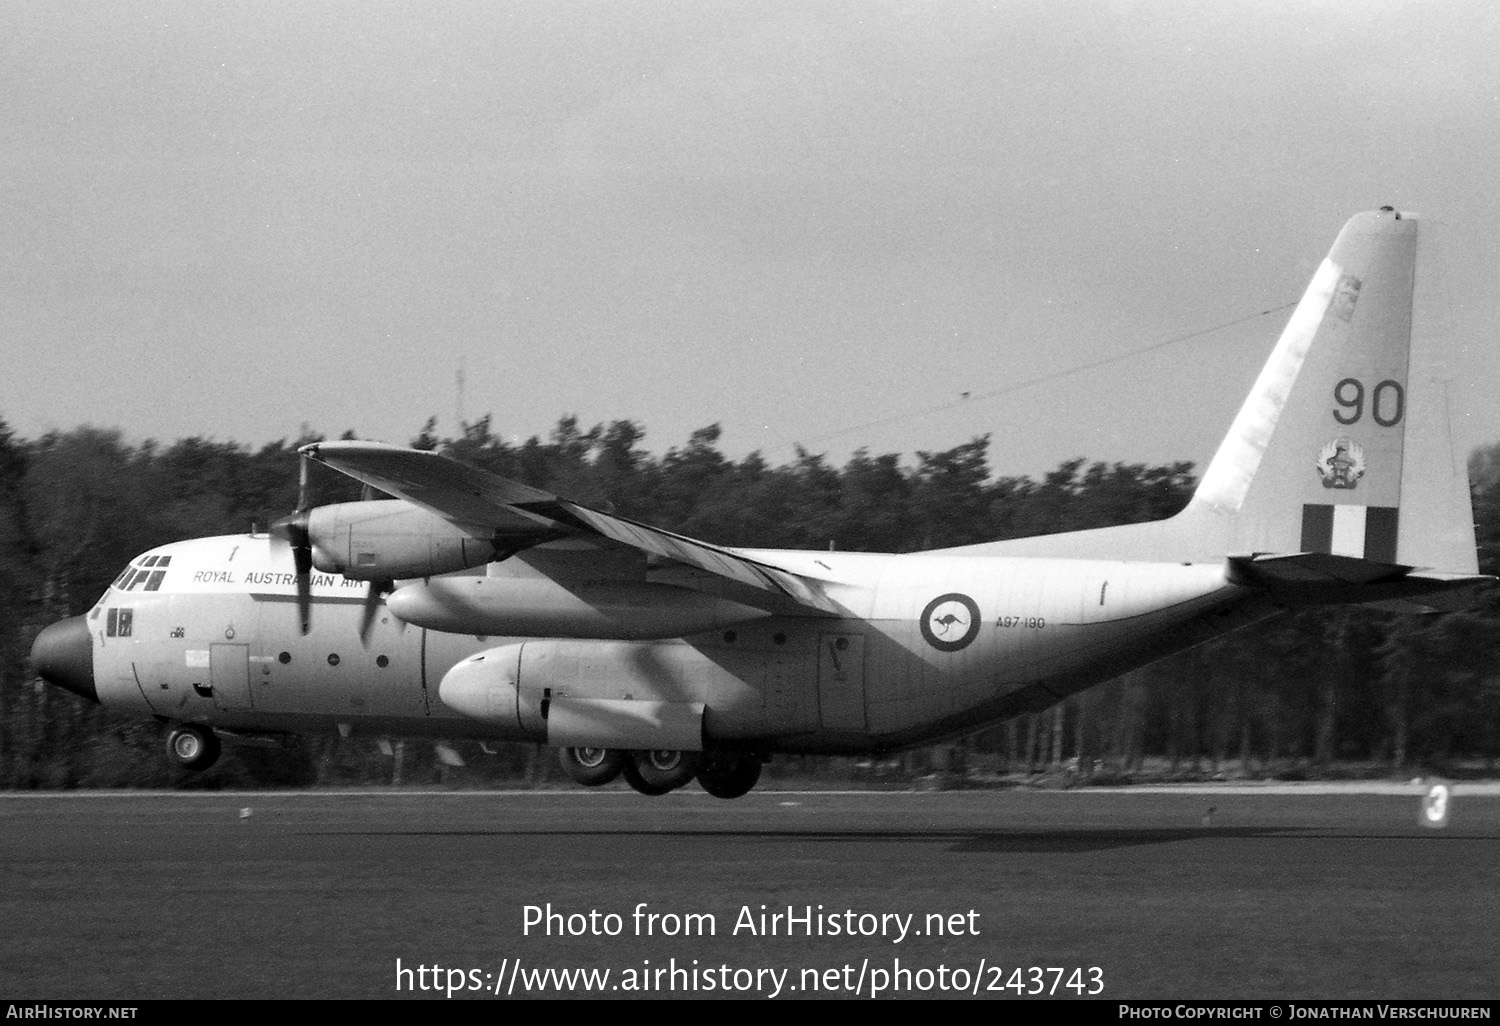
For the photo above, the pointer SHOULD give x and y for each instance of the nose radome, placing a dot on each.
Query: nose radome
(63, 655)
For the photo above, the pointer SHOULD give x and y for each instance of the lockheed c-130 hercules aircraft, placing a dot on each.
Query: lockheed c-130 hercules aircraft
(471, 606)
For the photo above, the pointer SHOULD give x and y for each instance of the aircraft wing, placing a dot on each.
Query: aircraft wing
(466, 496)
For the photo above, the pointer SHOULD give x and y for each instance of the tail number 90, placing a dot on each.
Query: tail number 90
(1387, 402)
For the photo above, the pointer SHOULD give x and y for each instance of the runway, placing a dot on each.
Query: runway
(1200, 893)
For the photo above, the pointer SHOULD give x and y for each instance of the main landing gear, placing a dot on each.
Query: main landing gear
(592, 767)
(657, 771)
(193, 747)
(729, 775)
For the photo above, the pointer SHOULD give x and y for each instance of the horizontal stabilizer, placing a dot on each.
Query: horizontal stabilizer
(1318, 577)
(1314, 568)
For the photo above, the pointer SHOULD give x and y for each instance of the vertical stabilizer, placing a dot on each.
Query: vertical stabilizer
(1318, 458)
(1343, 448)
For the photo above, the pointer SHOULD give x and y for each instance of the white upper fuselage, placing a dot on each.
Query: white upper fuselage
(923, 645)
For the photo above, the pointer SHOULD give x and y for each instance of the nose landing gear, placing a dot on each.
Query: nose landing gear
(193, 747)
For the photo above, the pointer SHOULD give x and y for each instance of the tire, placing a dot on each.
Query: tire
(592, 767)
(632, 775)
(192, 747)
(666, 768)
(729, 776)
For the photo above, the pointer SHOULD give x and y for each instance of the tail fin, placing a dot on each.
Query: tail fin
(1340, 448)
(1342, 453)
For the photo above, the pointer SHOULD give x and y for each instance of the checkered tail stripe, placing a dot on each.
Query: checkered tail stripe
(1365, 532)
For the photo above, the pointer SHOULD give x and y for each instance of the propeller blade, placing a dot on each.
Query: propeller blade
(294, 531)
(371, 607)
(302, 560)
(302, 470)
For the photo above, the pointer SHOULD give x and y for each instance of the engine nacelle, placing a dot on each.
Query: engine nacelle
(390, 539)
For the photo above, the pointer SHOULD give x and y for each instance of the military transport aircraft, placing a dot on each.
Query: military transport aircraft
(471, 606)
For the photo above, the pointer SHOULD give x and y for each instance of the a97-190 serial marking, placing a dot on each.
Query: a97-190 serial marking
(1033, 622)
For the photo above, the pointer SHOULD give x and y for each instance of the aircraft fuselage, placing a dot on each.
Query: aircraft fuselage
(216, 642)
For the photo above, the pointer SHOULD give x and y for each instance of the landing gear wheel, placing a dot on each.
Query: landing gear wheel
(666, 768)
(729, 776)
(193, 747)
(592, 767)
(632, 774)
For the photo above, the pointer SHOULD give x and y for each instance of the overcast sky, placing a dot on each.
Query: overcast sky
(807, 222)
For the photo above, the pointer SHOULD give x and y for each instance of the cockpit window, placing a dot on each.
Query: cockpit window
(131, 578)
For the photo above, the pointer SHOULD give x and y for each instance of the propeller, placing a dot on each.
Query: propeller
(372, 605)
(294, 531)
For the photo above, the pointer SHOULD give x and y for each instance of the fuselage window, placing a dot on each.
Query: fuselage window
(120, 581)
(149, 561)
(126, 617)
(163, 560)
(112, 623)
(155, 580)
(138, 580)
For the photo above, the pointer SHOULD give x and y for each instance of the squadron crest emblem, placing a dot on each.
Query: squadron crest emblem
(1341, 464)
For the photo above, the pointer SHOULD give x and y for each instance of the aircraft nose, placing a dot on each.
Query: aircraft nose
(63, 655)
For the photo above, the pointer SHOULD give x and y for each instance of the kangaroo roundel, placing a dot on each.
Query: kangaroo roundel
(950, 622)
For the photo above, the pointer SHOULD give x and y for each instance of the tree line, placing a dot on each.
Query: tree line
(1301, 694)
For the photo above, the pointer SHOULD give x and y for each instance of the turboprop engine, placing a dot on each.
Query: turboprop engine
(388, 539)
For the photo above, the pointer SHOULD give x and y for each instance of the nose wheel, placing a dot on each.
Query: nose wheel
(193, 747)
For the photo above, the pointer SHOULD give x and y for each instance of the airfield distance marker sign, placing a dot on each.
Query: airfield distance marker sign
(1436, 804)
